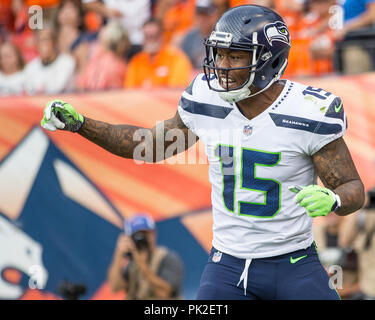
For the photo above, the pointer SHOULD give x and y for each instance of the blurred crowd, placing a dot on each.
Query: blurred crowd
(54, 46)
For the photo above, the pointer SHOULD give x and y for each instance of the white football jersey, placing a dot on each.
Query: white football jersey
(253, 162)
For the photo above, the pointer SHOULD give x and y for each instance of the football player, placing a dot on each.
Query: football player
(272, 139)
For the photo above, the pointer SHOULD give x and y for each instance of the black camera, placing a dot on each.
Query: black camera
(71, 291)
(140, 240)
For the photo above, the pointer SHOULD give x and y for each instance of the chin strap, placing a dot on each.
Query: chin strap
(275, 78)
(244, 93)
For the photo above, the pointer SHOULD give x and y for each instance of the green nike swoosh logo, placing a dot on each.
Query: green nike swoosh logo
(337, 109)
(292, 261)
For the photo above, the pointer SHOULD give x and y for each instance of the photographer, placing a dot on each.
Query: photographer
(141, 268)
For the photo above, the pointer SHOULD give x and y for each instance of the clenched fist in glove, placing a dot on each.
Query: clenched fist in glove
(61, 115)
(317, 200)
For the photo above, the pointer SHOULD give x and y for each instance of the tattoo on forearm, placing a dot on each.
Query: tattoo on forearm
(117, 139)
(174, 124)
(140, 143)
(337, 171)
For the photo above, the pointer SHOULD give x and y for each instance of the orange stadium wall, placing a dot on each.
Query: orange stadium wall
(81, 189)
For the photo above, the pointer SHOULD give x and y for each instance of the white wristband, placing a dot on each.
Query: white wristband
(338, 201)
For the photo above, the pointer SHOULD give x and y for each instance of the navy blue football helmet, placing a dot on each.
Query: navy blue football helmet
(254, 29)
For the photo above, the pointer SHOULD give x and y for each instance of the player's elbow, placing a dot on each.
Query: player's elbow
(355, 199)
(361, 195)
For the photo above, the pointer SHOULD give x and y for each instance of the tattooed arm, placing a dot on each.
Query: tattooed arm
(337, 171)
(123, 140)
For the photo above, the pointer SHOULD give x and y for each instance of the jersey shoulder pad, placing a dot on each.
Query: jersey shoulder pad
(316, 103)
(199, 100)
(310, 109)
(199, 91)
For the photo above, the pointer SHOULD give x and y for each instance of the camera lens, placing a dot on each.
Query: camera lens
(140, 240)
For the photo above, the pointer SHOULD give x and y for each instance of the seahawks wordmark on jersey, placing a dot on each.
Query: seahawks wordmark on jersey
(253, 162)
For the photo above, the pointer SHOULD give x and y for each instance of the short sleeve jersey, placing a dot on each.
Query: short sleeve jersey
(253, 162)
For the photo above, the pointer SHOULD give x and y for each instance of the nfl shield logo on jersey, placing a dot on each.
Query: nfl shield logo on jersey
(247, 130)
(217, 256)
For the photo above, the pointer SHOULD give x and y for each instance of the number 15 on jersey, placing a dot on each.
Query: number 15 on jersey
(250, 160)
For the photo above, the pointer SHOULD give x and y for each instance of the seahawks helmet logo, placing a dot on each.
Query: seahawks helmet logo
(277, 31)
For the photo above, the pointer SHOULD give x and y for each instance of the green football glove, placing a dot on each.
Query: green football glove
(317, 200)
(61, 115)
